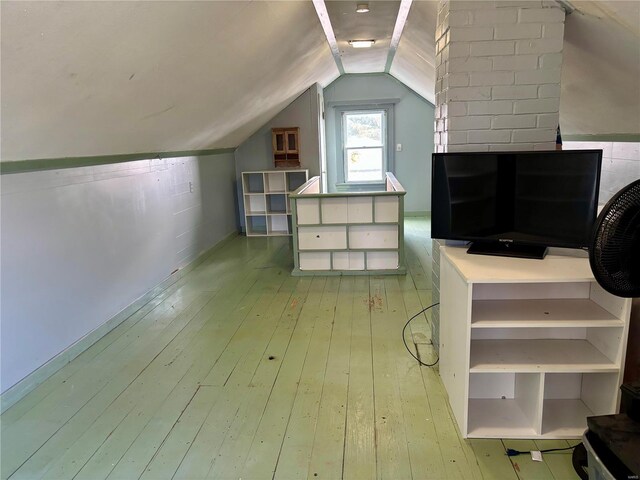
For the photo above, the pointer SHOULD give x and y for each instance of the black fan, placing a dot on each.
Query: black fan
(614, 254)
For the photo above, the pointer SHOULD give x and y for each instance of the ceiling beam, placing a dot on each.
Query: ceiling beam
(401, 20)
(323, 16)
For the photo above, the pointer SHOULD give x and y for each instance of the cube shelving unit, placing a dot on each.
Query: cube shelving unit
(528, 348)
(267, 210)
(359, 233)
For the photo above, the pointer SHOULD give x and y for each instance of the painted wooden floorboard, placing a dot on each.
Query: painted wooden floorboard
(424, 449)
(191, 364)
(329, 438)
(295, 451)
(493, 462)
(239, 370)
(262, 456)
(391, 440)
(68, 417)
(360, 439)
(214, 340)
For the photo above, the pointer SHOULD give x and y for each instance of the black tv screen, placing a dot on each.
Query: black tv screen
(539, 198)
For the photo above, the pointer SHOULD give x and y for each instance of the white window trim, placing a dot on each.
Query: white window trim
(339, 108)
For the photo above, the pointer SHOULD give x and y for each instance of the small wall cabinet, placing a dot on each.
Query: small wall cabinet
(286, 147)
(267, 210)
(528, 348)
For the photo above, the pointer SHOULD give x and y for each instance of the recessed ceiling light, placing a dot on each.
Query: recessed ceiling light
(361, 43)
(362, 8)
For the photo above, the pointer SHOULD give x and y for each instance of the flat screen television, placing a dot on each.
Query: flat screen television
(516, 203)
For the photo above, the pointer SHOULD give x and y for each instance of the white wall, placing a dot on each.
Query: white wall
(620, 164)
(256, 153)
(78, 245)
(413, 120)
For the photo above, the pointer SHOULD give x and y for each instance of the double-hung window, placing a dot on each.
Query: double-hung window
(364, 145)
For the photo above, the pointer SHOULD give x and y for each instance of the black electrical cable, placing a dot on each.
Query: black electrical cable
(512, 453)
(404, 340)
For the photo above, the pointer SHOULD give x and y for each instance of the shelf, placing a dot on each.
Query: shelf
(255, 204)
(277, 225)
(538, 355)
(253, 183)
(519, 313)
(266, 202)
(274, 182)
(564, 418)
(498, 418)
(256, 225)
(489, 269)
(295, 180)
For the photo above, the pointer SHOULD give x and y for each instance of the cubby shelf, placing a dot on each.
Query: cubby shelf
(528, 348)
(266, 200)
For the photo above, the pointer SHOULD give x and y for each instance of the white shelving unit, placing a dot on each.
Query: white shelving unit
(529, 348)
(267, 210)
(348, 233)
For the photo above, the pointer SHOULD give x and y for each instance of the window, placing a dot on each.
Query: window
(364, 145)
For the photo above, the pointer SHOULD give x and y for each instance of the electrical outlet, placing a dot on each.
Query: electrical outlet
(398, 147)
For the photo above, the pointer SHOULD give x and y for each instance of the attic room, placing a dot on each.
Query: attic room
(228, 248)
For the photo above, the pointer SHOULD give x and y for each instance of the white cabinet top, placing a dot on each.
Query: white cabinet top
(492, 269)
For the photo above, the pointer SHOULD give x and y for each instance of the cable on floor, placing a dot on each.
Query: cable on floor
(512, 453)
(404, 340)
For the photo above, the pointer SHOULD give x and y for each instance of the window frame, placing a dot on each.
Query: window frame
(388, 153)
(383, 147)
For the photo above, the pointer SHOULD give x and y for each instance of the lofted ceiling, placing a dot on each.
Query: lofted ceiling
(101, 78)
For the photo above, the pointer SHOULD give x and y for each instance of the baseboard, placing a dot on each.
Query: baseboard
(420, 213)
(16, 392)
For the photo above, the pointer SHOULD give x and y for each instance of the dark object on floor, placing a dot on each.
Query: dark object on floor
(579, 461)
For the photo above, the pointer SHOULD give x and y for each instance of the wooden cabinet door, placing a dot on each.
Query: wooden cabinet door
(291, 137)
(279, 140)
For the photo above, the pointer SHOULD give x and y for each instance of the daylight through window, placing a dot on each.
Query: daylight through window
(364, 145)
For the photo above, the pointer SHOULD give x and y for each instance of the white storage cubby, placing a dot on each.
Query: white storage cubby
(348, 233)
(267, 208)
(528, 348)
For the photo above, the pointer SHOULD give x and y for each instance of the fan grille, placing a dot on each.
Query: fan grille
(615, 247)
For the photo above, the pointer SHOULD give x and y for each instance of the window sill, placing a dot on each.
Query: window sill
(361, 186)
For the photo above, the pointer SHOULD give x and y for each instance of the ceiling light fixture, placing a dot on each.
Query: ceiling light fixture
(361, 43)
(362, 8)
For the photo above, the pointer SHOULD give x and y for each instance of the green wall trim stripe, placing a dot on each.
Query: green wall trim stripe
(20, 166)
(30, 382)
(604, 137)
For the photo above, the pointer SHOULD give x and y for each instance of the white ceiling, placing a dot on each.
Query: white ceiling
(102, 78)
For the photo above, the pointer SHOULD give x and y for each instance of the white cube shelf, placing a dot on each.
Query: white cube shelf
(529, 348)
(360, 232)
(267, 209)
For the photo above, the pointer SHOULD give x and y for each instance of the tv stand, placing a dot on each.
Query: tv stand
(528, 349)
(508, 249)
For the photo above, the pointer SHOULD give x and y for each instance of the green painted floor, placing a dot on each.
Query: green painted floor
(241, 371)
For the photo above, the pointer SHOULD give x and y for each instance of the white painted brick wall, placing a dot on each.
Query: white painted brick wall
(620, 164)
(514, 121)
(489, 136)
(491, 78)
(516, 92)
(515, 62)
(498, 69)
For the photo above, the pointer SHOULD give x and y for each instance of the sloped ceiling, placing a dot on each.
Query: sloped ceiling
(99, 78)
(105, 78)
(601, 69)
(415, 61)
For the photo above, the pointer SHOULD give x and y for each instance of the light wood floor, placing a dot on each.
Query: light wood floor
(241, 371)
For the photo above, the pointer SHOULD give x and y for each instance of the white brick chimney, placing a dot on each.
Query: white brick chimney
(498, 68)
